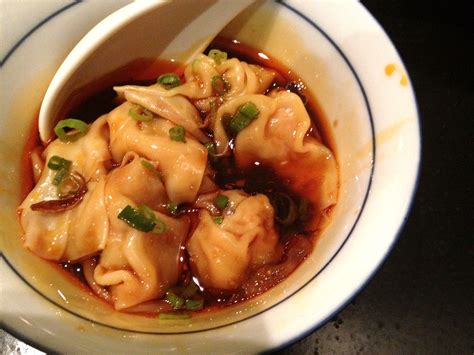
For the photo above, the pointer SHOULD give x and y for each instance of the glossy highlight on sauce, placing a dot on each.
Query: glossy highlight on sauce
(284, 194)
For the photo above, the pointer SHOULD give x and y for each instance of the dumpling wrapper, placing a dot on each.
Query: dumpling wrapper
(222, 254)
(242, 79)
(182, 165)
(77, 233)
(138, 266)
(278, 139)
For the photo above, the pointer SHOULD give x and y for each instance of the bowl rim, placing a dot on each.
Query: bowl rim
(349, 297)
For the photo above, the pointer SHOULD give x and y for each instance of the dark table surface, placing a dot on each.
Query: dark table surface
(421, 300)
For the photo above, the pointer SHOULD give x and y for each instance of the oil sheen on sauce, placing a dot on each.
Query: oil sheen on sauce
(98, 98)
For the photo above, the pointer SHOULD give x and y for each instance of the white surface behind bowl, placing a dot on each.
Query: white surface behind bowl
(342, 58)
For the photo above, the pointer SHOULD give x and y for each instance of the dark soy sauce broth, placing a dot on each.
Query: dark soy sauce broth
(98, 98)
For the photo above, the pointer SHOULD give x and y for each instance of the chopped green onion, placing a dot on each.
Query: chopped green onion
(217, 55)
(140, 113)
(172, 208)
(177, 134)
(136, 219)
(59, 177)
(239, 122)
(80, 129)
(147, 212)
(176, 301)
(169, 80)
(58, 163)
(249, 109)
(150, 167)
(69, 185)
(218, 219)
(219, 85)
(160, 227)
(243, 117)
(211, 149)
(221, 201)
(173, 316)
(194, 305)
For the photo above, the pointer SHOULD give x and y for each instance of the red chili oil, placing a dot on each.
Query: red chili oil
(98, 98)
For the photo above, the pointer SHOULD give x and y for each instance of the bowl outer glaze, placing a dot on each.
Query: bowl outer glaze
(27, 314)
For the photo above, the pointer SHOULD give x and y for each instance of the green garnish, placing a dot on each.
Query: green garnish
(249, 109)
(79, 128)
(58, 163)
(186, 297)
(146, 211)
(142, 218)
(219, 85)
(169, 80)
(141, 114)
(221, 202)
(173, 316)
(211, 149)
(59, 177)
(218, 219)
(172, 208)
(69, 185)
(194, 305)
(246, 113)
(160, 227)
(177, 134)
(176, 301)
(150, 167)
(217, 55)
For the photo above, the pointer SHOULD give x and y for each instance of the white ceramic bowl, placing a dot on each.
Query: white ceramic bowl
(362, 87)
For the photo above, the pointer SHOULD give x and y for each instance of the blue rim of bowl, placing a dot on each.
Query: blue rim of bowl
(34, 28)
(383, 259)
(337, 309)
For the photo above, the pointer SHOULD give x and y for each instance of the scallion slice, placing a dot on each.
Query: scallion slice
(221, 202)
(249, 109)
(239, 122)
(217, 55)
(69, 185)
(160, 227)
(218, 219)
(151, 168)
(136, 220)
(79, 129)
(142, 218)
(172, 208)
(219, 85)
(243, 117)
(176, 301)
(59, 177)
(141, 114)
(169, 80)
(211, 149)
(57, 163)
(194, 305)
(147, 212)
(177, 134)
